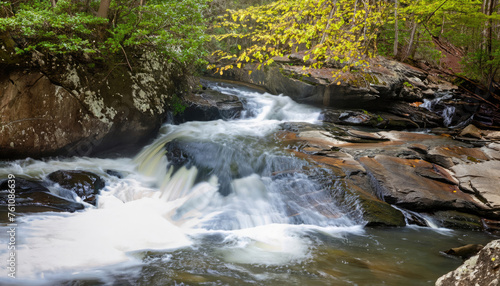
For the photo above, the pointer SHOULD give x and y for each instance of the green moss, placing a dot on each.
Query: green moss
(472, 159)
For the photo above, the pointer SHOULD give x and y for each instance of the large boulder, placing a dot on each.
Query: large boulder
(69, 106)
(482, 269)
(209, 105)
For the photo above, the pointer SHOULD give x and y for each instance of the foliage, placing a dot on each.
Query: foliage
(344, 33)
(341, 31)
(174, 28)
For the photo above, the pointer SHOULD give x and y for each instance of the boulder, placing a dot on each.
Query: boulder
(482, 269)
(481, 179)
(74, 107)
(458, 220)
(416, 184)
(34, 197)
(209, 105)
(84, 184)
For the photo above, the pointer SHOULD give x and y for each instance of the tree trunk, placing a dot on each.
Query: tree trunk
(396, 29)
(412, 39)
(54, 3)
(103, 8)
(487, 8)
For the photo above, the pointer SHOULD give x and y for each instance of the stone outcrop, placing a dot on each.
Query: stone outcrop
(422, 173)
(208, 104)
(482, 269)
(71, 107)
(386, 81)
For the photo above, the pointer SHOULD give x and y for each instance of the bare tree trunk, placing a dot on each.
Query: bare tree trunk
(103, 8)
(54, 3)
(396, 29)
(412, 39)
(323, 37)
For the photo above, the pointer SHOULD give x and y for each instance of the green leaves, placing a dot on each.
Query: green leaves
(173, 28)
(329, 30)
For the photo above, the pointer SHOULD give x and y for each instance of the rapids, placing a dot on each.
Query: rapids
(217, 203)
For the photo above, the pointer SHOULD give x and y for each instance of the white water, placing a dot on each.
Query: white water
(263, 220)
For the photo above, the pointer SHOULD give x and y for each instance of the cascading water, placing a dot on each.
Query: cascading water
(213, 202)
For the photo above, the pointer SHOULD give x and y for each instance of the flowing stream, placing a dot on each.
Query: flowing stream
(218, 203)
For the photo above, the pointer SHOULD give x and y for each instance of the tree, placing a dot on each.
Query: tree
(174, 29)
(329, 31)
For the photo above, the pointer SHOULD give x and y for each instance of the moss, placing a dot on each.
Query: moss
(458, 220)
(472, 159)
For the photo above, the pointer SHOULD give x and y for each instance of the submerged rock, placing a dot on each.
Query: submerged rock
(482, 269)
(34, 197)
(86, 185)
(466, 251)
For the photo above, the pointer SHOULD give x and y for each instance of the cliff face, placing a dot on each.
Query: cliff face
(71, 107)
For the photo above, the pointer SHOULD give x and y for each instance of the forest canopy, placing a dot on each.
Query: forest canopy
(100, 28)
(346, 33)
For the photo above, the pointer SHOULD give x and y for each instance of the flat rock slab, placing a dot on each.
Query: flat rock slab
(481, 179)
(416, 184)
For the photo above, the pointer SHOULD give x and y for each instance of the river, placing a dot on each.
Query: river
(219, 203)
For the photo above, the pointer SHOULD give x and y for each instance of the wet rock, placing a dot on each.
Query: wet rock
(416, 184)
(86, 185)
(114, 174)
(482, 269)
(209, 105)
(447, 156)
(466, 251)
(34, 197)
(375, 212)
(458, 220)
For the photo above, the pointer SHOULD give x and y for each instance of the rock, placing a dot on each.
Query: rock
(114, 174)
(471, 131)
(209, 105)
(74, 109)
(416, 184)
(458, 220)
(34, 197)
(482, 180)
(375, 212)
(447, 156)
(466, 251)
(86, 185)
(482, 269)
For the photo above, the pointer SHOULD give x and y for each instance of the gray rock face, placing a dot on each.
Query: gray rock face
(71, 109)
(481, 179)
(482, 269)
(209, 105)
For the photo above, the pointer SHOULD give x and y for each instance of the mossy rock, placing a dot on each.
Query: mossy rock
(458, 220)
(375, 213)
